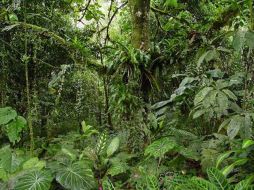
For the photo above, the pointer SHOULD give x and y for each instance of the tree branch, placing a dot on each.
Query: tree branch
(111, 19)
(84, 10)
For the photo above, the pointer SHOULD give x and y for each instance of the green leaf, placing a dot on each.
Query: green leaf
(6, 115)
(198, 113)
(88, 130)
(230, 94)
(69, 152)
(171, 3)
(247, 143)
(223, 103)
(36, 180)
(222, 157)
(201, 95)
(3, 175)
(13, 17)
(117, 167)
(75, 176)
(228, 169)
(208, 56)
(34, 163)
(224, 124)
(113, 146)
(160, 147)
(249, 36)
(6, 158)
(234, 126)
(7, 28)
(242, 185)
(217, 178)
(202, 184)
(239, 40)
(14, 129)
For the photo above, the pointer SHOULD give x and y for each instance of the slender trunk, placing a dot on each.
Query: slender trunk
(140, 23)
(29, 118)
(2, 83)
(109, 119)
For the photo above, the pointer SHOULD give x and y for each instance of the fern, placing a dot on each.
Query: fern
(217, 178)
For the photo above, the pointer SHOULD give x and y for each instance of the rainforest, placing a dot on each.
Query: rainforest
(126, 95)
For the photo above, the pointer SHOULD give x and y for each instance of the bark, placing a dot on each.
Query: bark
(140, 23)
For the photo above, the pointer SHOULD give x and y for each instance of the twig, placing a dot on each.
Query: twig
(84, 11)
(111, 19)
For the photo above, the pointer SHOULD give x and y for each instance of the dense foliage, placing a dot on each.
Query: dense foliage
(126, 94)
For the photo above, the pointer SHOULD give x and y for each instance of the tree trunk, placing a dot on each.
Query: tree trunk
(140, 23)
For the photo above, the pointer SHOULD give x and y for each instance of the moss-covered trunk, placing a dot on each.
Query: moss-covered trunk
(140, 23)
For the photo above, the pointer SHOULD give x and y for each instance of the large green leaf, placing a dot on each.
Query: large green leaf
(6, 115)
(234, 126)
(230, 94)
(239, 40)
(201, 95)
(14, 129)
(117, 167)
(160, 147)
(208, 56)
(217, 178)
(113, 146)
(75, 176)
(33, 163)
(249, 36)
(35, 180)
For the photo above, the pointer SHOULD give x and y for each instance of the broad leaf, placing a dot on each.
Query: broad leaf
(75, 176)
(234, 126)
(14, 129)
(239, 40)
(7, 114)
(34, 163)
(202, 94)
(249, 36)
(117, 167)
(199, 113)
(160, 147)
(113, 146)
(36, 180)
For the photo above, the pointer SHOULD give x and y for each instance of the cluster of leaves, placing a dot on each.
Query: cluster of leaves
(181, 108)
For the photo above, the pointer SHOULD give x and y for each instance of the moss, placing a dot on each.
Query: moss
(140, 23)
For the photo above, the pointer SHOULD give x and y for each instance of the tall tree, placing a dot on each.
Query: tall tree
(140, 23)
